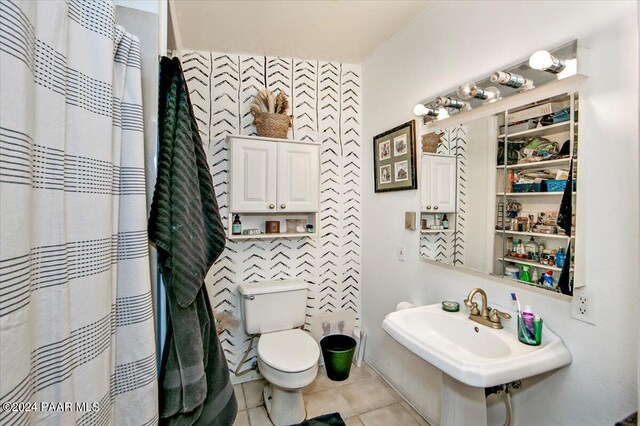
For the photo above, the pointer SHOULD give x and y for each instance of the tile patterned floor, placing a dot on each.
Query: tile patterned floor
(364, 399)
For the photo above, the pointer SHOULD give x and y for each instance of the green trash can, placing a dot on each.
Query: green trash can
(337, 351)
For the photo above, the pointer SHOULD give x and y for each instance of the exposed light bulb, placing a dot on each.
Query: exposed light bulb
(545, 61)
(419, 110)
(512, 80)
(493, 94)
(442, 113)
(447, 102)
(470, 90)
(422, 110)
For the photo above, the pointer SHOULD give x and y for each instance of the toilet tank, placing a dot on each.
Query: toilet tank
(270, 306)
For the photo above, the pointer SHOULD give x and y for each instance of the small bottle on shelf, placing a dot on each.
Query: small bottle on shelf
(524, 273)
(531, 248)
(236, 227)
(560, 258)
(445, 221)
(534, 276)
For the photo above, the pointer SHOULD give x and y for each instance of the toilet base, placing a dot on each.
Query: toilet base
(285, 406)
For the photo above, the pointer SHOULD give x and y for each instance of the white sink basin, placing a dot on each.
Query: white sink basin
(470, 352)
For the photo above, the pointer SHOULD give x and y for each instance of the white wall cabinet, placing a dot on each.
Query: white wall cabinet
(272, 179)
(438, 184)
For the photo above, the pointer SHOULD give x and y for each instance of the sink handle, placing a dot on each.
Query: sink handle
(496, 315)
(473, 306)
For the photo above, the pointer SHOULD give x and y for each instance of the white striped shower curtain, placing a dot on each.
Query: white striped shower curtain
(77, 343)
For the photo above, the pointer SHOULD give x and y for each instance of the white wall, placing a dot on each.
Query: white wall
(456, 41)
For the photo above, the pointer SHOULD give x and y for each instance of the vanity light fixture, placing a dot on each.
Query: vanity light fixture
(512, 80)
(447, 102)
(470, 90)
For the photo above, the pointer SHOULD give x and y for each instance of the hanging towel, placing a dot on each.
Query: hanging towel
(186, 227)
(565, 217)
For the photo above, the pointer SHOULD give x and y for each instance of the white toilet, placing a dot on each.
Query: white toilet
(287, 355)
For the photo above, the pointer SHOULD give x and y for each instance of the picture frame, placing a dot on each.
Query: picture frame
(394, 159)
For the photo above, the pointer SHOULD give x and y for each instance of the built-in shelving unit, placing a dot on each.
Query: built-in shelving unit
(533, 203)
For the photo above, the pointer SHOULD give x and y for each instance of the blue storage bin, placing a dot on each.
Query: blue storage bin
(553, 185)
(527, 187)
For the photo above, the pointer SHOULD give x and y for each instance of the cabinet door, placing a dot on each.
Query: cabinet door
(443, 184)
(253, 176)
(425, 184)
(298, 177)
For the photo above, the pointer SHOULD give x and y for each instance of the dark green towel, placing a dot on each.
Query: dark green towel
(186, 227)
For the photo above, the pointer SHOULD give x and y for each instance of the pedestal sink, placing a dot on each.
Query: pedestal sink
(471, 356)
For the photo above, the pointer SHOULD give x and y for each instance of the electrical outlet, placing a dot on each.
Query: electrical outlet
(401, 250)
(582, 308)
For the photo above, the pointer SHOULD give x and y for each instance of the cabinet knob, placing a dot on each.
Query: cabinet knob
(428, 207)
(435, 208)
(283, 206)
(272, 206)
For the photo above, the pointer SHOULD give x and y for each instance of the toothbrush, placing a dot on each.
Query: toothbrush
(515, 299)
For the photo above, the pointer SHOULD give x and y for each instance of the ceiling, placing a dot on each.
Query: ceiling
(334, 30)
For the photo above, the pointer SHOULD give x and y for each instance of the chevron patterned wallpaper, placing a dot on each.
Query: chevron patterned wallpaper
(449, 248)
(325, 100)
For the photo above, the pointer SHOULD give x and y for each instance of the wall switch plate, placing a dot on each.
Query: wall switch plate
(400, 250)
(410, 220)
(582, 307)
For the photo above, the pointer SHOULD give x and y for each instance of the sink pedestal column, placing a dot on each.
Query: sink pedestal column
(462, 405)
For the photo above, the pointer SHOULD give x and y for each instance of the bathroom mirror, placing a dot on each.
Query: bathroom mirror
(493, 196)
(463, 197)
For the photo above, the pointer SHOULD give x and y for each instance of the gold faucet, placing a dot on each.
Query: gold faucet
(485, 316)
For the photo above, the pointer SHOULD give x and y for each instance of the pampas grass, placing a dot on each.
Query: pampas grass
(266, 101)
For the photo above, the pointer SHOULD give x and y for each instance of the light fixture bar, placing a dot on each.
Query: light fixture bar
(447, 102)
(511, 80)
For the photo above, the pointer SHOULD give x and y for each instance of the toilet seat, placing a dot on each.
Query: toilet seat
(289, 351)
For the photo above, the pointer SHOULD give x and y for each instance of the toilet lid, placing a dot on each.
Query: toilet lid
(289, 351)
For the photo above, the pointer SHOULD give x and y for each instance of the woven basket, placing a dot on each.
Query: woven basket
(272, 125)
(430, 142)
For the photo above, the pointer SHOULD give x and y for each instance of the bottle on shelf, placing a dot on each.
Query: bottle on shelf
(524, 273)
(560, 257)
(531, 248)
(534, 276)
(514, 246)
(520, 247)
(445, 221)
(236, 227)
